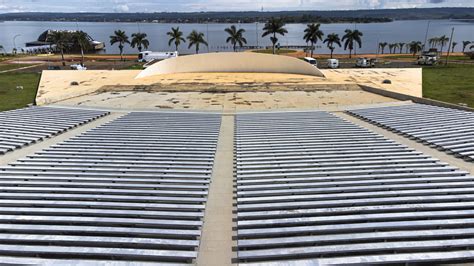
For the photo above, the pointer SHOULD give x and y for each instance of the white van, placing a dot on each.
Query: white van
(78, 67)
(365, 62)
(148, 56)
(333, 63)
(311, 60)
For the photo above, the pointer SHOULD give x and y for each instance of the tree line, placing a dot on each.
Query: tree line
(415, 47)
(300, 16)
(273, 28)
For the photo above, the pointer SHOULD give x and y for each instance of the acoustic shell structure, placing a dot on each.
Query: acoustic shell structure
(231, 62)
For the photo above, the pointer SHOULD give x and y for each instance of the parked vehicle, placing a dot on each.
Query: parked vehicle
(333, 63)
(78, 67)
(148, 56)
(365, 62)
(428, 58)
(470, 54)
(311, 61)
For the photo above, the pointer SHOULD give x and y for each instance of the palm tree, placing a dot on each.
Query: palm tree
(382, 46)
(140, 41)
(400, 45)
(176, 36)
(415, 47)
(235, 37)
(443, 40)
(464, 45)
(61, 40)
(273, 27)
(350, 37)
(433, 42)
(453, 45)
(312, 34)
(121, 38)
(81, 39)
(392, 47)
(196, 38)
(332, 39)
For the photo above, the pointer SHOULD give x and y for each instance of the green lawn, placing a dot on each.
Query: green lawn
(13, 98)
(138, 66)
(5, 67)
(452, 83)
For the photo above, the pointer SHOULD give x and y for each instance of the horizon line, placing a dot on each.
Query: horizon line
(241, 11)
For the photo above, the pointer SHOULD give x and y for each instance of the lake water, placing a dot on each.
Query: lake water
(397, 31)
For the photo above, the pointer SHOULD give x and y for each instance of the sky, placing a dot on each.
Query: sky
(215, 5)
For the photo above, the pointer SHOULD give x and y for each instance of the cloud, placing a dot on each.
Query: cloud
(436, 1)
(122, 8)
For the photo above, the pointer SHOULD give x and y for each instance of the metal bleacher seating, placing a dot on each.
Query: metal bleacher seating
(131, 190)
(447, 129)
(25, 126)
(314, 189)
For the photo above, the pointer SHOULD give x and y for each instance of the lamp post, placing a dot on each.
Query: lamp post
(426, 35)
(207, 34)
(450, 45)
(256, 31)
(14, 41)
(14, 46)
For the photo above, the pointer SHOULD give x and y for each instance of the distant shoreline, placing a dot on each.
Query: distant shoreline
(325, 17)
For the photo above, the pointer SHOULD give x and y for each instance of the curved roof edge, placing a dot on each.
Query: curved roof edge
(231, 62)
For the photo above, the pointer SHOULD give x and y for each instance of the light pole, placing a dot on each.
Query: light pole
(426, 35)
(256, 31)
(14, 46)
(14, 41)
(207, 34)
(450, 45)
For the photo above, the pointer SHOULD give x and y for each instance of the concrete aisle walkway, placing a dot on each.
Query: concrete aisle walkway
(216, 240)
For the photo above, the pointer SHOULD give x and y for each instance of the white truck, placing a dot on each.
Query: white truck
(311, 61)
(78, 67)
(428, 58)
(333, 63)
(365, 62)
(149, 56)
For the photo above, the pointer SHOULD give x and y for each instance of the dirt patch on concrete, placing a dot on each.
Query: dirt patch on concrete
(228, 101)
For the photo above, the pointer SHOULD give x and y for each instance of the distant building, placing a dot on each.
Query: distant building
(44, 39)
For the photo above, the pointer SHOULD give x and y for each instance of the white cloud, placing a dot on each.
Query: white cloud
(122, 8)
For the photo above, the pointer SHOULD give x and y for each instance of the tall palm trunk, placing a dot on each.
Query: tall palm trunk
(62, 57)
(82, 56)
(121, 52)
(273, 47)
(332, 51)
(350, 53)
(312, 48)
